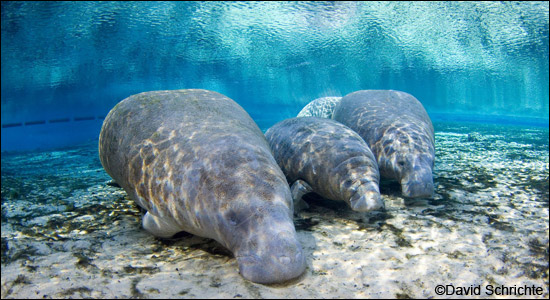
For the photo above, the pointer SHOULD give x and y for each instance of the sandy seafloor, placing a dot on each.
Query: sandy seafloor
(67, 233)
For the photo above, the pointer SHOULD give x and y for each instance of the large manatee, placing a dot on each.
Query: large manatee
(398, 131)
(323, 156)
(197, 162)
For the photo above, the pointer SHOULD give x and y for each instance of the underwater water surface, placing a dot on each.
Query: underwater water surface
(66, 64)
(480, 69)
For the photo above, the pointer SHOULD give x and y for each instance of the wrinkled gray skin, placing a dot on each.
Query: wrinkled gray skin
(320, 107)
(197, 162)
(328, 158)
(398, 131)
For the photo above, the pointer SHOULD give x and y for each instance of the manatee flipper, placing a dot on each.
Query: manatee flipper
(298, 189)
(113, 184)
(159, 227)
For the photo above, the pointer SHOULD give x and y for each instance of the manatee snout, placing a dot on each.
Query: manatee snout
(272, 258)
(264, 241)
(418, 184)
(366, 198)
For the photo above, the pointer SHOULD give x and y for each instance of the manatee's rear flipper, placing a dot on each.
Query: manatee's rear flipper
(298, 189)
(159, 227)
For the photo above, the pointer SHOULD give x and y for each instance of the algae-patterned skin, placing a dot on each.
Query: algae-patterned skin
(321, 107)
(399, 132)
(328, 158)
(197, 162)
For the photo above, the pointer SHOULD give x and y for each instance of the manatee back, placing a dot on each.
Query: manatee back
(166, 118)
(320, 107)
(371, 112)
(178, 152)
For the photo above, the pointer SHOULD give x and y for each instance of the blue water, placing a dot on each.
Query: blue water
(66, 64)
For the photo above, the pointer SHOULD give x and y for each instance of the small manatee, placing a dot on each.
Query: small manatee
(323, 156)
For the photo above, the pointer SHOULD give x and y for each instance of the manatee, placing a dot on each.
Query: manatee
(399, 132)
(197, 162)
(320, 107)
(328, 158)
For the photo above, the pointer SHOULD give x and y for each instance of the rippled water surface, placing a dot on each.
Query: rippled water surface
(74, 61)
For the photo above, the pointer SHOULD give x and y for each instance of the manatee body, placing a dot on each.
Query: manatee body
(328, 158)
(320, 107)
(197, 162)
(399, 132)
